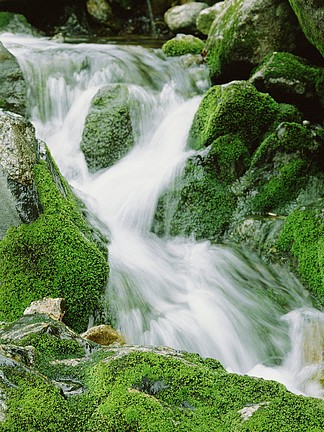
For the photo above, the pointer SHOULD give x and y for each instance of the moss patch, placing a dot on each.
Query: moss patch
(183, 44)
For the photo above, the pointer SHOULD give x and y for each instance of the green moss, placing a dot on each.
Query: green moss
(52, 257)
(302, 237)
(199, 204)
(237, 108)
(33, 404)
(184, 44)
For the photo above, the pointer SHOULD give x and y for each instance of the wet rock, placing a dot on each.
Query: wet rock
(183, 17)
(13, 86)
(107, 134)
(16, 23)
(55, 308)
(103, 335)
(24, 355)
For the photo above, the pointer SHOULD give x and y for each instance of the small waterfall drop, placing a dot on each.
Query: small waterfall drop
(214, 300)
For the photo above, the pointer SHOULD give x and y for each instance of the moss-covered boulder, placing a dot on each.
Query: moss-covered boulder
(183, 17)
(13, 86)
(16, 23)
(236, 108)
(310, 15)
(55, 253)
(291, 79)
(183, 44)
(133, 388)
(239, 37)
(207, 16)
(108, 133)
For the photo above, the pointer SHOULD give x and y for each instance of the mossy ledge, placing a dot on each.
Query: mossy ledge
(55, 256)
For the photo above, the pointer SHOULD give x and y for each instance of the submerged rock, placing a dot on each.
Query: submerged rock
(107, 134)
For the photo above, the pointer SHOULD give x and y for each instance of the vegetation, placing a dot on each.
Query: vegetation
(183, 44)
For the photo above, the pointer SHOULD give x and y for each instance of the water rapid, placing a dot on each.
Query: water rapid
(211, 299)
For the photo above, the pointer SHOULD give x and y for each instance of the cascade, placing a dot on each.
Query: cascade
(195, 296)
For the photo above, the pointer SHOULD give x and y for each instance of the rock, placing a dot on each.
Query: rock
(183, 44)
(100, 10)
(13, 86)
(291, 79)
(183, 17)
(103, 335)
(239, 37)
(18, 156)
(16, 23)
(207, 16)
(310, 15)
(107, 134)
(24, 355)
(55, 308)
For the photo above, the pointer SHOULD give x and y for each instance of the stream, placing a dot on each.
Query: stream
(187, 294)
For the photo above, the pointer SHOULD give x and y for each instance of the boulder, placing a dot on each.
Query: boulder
(310, 15)
(183, 17)
(13, 86)
(107, 134)
(207, 16)
(100, 10)
(239, 37)
(291, 79)
(16, 23)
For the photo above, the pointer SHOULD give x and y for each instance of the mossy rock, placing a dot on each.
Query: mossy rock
(199, 203)
(292, 79)
(302, 237)
(239, 109)
(16, 23)
(239, 37)
(183, 44)
(107, 134)
(55, 256)
(311, 19)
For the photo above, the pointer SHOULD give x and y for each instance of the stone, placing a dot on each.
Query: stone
(103, 335)
(183, 17)
(100, 10)
(13, 86)
(207, 16)
(53, 307)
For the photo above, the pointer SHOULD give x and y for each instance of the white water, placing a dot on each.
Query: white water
(178, 292)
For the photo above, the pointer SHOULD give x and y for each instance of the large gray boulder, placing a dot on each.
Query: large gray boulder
(13, 86)
(310, 15)
(183, 17)
(107, 134)
(207, 16)
(245, 32)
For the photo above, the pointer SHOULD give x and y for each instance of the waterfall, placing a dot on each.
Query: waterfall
(195, 296)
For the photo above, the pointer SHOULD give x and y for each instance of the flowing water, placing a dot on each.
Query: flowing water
(215, 300)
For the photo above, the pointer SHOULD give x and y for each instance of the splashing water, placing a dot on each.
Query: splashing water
(214, 300)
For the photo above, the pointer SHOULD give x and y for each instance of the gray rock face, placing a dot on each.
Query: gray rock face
(310, 15)
(183, 17)
(240, 35)
(107, 134)
(13, 87)
(18, 155)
